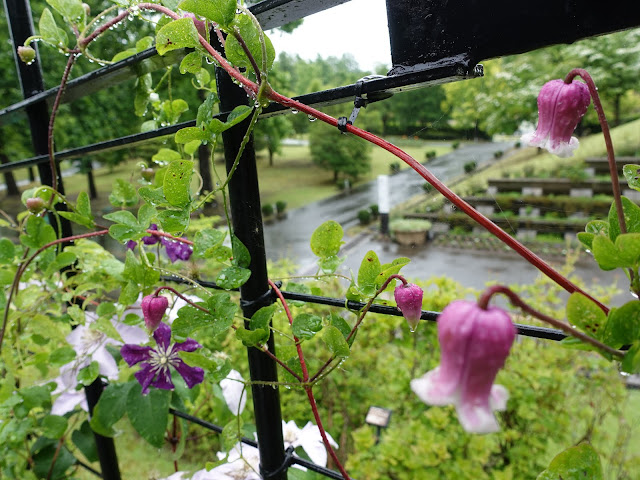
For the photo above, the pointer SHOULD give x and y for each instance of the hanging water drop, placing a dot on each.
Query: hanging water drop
(294, 111)
(311, 118)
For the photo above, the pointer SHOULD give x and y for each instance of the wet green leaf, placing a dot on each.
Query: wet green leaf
(252, 338)
(189, 134)
(7, 251)
(176, 182)
(336, 342)
(50, 32)
(54, 426)
(631, 217)
(262, 318)
(221, 12)
(250, 34)
(575, 463)
(174, 222)
(191, 63)
(84, 439)
(369, 270)
(88, 374)
(327, 239)
(181, 33)
(632, 174)
(71, 10)
(123, 194)
(631, 361)
(232, 277)
(207, 241)
(623, 325)
(241, 256)
(306, 325)
(37, 233)
(585, 314)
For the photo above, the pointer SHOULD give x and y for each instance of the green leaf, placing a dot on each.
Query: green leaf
(190, 148)
(250, 34)
(262, 318)
(585, 314)
(389, 269)
(251, 338)
(632, 174)
(631, 218)
(189, 134)
(174, 222)
(206, 110)
(141, 99)
(329, 264)
(123, 216)
(129, 52)
(342, 325)
(173, 109)
(232, 277)
(631, 361)
(241, 256)
(586, 239)
(123, 194)
(369, 270)
(37, 233)
(43, 460)
(575, 463)
(180, 33)
(88, 374)
(236, 116)
(7, 251)
(166, 155)
(206, 241)
(146, 213)
(83, 204)
(54, 426)
(153, 196)
(306, 325)
(188, 321)
(606, 253)
(149, 413)
(623, 325)
(216, 368)
(191, 63)
(61, 356)
(71, 10)
(50, 32)
(327, 239)
(336, 341)
(84, 439)
(221, 12)
(176, 182)
(111, 407)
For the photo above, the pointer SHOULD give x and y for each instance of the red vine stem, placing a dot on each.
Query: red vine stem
(309, 388)
(483, 302)
(613, 168)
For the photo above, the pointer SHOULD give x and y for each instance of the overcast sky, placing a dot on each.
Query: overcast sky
(358, 27)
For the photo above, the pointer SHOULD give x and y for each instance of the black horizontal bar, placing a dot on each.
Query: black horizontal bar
(524, 330)
(436, 74)
(270, 14)
(247, 441)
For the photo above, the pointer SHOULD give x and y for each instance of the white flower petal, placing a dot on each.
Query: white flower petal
(108, 366)
(498, 398)
(69, 400)
(131, 334)
(234, 392)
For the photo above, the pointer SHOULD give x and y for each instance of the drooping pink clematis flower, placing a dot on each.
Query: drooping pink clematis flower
(474, 345)
(560, 107)
(153, 308)
(156, 362)
(409, 299)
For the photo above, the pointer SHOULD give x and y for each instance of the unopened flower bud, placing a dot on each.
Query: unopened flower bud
(153, 309)
(147, 174)
(26, 54)
(409, 300)
(35, 205)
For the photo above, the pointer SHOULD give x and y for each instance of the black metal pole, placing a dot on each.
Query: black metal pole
(32, 82)
(244, 196)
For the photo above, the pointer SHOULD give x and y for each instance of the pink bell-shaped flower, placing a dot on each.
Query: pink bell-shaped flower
(409, 299)
(560, 107)
(474, 345)
(153, 309)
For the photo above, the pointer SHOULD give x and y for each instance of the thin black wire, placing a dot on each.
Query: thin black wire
(88, 468)
(247, 441)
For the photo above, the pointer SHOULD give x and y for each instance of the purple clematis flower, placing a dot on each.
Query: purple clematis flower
(177, 250)
(474, 345)
(156, 362)
(151, 239)
(560, 107)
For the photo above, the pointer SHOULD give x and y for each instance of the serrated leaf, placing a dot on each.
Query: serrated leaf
(149, 413)
(306, 325)
(153, 196)
(585, 314)
(575, 463)
(326, 240)
(221, 12)
(181, 33)
(232, 277)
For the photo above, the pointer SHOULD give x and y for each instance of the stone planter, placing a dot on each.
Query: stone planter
(411, 238)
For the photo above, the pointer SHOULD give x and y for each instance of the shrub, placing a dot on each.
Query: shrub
(394, 167)
(470, 166)
(267, 210)
(518, 144)
(281, 206)
(427, 187)
(455, 145)
(375, 211)
(364, 216)
(410, 225)
(498, 154)
(430, 155)
(529, 171)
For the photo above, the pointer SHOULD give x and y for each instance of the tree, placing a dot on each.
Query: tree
(339, 153)
(269, 134)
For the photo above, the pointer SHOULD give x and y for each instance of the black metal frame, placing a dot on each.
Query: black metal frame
(432, 41)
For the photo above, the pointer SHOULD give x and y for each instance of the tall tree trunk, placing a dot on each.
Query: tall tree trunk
(270, 157)
(9, 179)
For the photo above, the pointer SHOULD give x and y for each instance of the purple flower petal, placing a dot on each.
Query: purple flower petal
(192, 375)
(145, 377)
(151, 239)
(189, 345)
(131, 244)
(162, 335)
(163, 379)
(133, 354)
